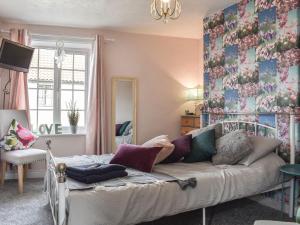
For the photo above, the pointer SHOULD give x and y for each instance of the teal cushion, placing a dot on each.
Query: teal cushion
(123, 127)
(203, 147)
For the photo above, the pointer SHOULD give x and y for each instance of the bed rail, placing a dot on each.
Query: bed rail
(56, 187)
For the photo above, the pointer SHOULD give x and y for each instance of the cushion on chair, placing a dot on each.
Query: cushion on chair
(19, 157)
(270, 222)
(18, 137)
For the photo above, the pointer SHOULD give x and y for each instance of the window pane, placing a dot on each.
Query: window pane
(79, 62)
(33, 119)
(32, 78)
(66, 98)
(81, 122)
(64, 119)
(45, 99)
(34, 60)
(66, 79)
(32, 98)
(46, 77)
(68, 62)
(47, 58)
(79, 99)
(79, 80)
(45, 117)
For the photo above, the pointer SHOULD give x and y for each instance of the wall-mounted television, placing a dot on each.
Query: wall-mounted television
(14, 56)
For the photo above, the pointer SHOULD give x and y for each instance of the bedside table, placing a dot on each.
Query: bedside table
(189, 123)
(293, 171)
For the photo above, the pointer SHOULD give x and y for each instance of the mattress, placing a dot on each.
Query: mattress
(137, 203)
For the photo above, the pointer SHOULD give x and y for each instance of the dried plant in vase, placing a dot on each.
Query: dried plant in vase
(73, 115)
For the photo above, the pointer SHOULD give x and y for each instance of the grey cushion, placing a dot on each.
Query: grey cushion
(217, 127)
(271, 222)
(262, 146)
(19, 157)
(232, 147)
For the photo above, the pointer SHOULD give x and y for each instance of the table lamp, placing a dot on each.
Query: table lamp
(195, 94)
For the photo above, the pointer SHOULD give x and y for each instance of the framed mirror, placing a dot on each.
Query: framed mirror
(123, 111)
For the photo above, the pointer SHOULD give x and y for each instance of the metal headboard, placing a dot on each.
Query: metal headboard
(257, 125)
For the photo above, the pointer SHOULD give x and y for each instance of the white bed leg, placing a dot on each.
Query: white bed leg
(204, 217)
(61, 168)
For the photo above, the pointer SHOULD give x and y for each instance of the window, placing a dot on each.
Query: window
(52, 88)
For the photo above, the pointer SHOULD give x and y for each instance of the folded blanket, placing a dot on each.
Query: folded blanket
(89, 179)
(94, 169)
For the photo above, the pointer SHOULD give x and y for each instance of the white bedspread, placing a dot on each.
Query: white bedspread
(133, 204)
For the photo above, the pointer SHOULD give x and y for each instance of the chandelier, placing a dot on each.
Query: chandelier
(59, 53)
(165, 9)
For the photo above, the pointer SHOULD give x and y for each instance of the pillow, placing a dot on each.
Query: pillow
(18, 137)
(262, 146)
(216, 127)
(232, 147)
(123, 128)
(136, 157)
(182, 148)
(161, 141)
(203, 147)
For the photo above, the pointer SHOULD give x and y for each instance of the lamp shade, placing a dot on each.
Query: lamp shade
(194, 94)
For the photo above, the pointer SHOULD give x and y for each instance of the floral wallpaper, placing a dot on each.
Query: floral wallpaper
(252, 61)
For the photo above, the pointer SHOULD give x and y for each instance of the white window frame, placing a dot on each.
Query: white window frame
(57, 85)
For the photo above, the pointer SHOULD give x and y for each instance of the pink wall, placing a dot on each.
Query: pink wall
(163, 66)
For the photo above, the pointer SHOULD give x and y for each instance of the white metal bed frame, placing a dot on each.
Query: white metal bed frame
(57, 191)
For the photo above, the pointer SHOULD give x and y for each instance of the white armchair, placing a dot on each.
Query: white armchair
(21, 158)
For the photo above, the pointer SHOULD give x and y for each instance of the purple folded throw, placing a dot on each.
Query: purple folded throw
(97, 178)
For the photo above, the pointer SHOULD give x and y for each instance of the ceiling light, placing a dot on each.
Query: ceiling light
(165, 9)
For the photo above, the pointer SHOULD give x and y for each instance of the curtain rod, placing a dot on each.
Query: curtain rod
(50, 36)
(67, 37)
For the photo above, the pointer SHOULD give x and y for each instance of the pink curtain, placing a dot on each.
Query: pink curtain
(96, 124)
(18, 98)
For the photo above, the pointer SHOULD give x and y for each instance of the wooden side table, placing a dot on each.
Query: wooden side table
(293, 171)
(189, 123)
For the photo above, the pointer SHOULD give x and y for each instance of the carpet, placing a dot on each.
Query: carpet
(31, 208)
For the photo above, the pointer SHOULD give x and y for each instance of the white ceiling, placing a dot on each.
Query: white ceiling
(122, 15)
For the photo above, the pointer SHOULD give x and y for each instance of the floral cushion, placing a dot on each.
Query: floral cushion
(18, 137)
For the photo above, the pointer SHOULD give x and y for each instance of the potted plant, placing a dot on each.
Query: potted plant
(73, 115)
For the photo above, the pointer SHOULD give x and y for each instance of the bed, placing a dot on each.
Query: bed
(135, 203)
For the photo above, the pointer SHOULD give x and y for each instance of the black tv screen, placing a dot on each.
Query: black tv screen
(14, 56)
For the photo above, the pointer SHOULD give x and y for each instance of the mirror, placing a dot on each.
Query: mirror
(123, 111)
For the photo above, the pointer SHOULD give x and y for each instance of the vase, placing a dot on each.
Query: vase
(73, 129)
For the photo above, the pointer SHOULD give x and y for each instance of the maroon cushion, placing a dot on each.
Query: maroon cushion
(135, 156)
(182, 148)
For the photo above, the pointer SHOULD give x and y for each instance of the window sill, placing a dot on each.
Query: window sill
(62, 135)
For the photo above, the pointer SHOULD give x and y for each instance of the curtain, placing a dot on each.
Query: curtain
(18, 98)
(96, 124)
